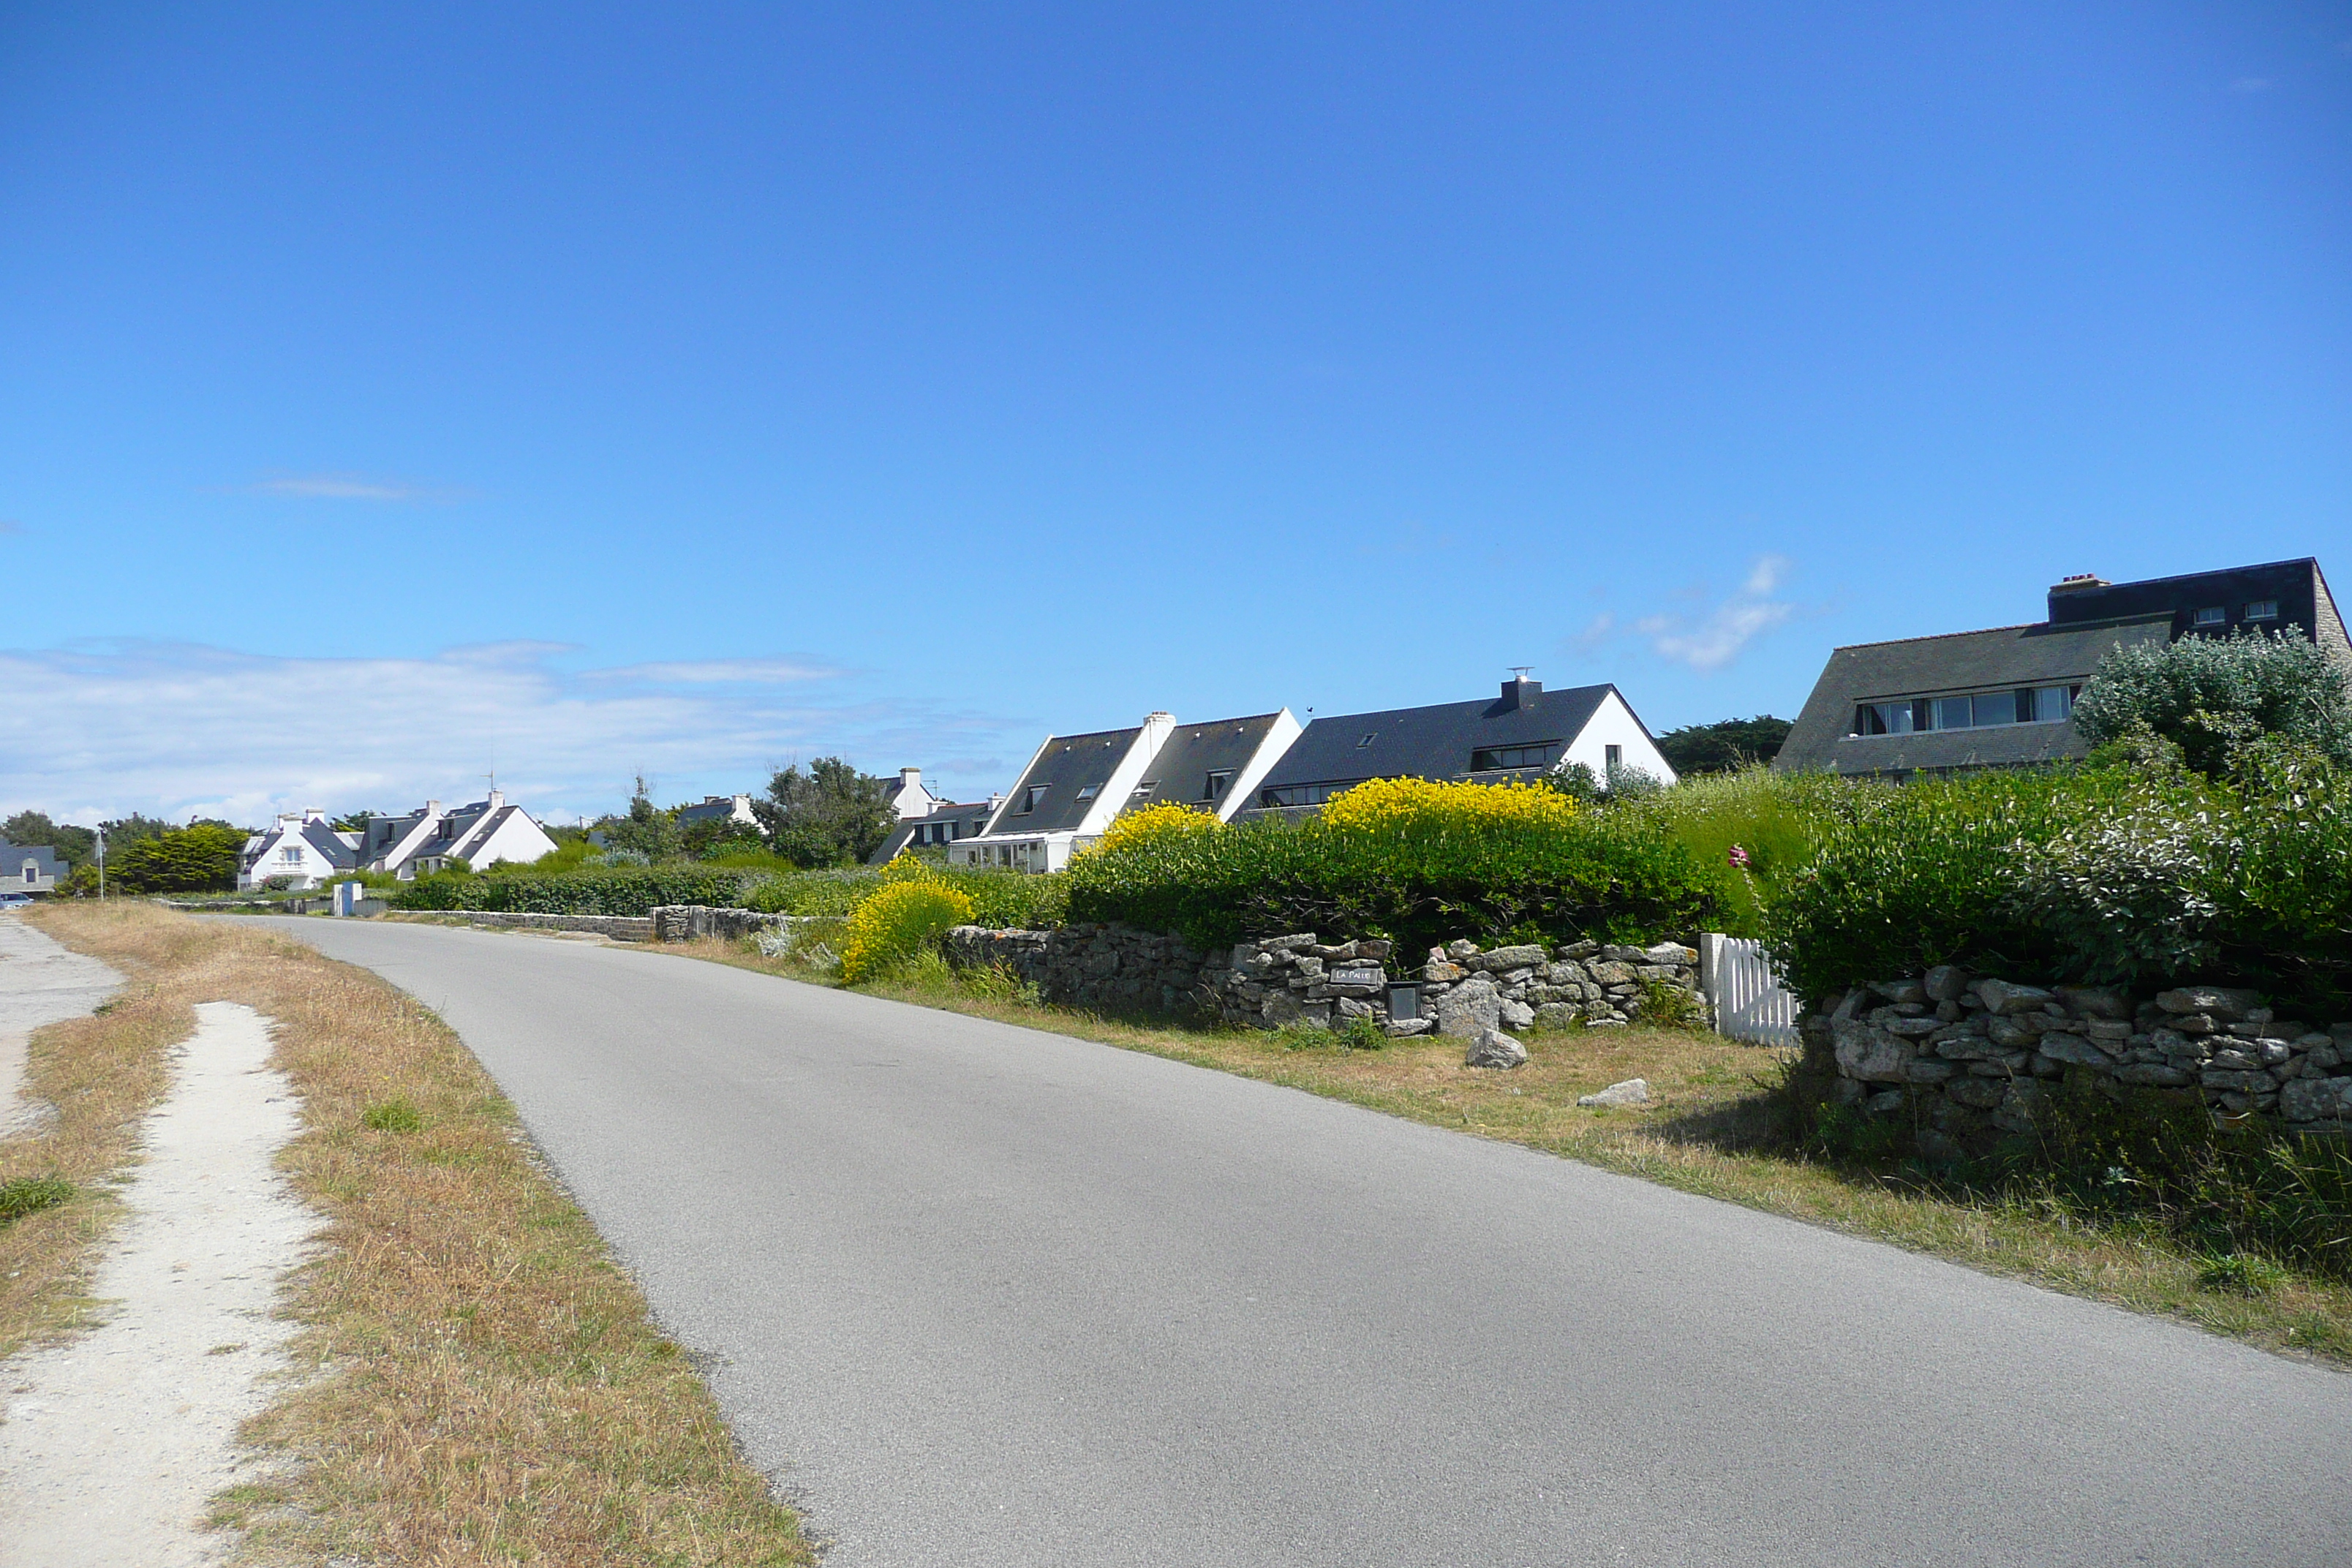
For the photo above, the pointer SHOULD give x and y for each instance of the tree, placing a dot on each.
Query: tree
(646, 829)
(716, 836)
(831, 816)
(351, 822)
(1726, 746)
(28, 829)
(2212, 698)
(195, 859)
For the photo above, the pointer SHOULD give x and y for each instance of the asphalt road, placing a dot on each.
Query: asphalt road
(977, 1295)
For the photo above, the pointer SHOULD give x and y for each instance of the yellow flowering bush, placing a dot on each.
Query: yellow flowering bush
(1166, 824)
(1399, 806)
(896, 920)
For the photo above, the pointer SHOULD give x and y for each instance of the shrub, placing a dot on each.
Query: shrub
(197, 859)
(896, 921)
(2211, 695)
(1775, 820)
(1412, 861)
(1155, 824)
(606, 891)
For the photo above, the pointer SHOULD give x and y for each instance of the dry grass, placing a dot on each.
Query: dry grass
(483, 1385)
(1713, 1129)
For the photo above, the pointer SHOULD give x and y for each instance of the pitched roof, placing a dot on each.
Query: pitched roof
(1433, 743)
(2005, 657)
(971, 815)
(1067, 767)
(1192, 752)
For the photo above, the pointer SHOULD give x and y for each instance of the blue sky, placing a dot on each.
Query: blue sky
(390, 395)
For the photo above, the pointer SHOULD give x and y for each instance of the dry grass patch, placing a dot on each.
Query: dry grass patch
(483, 1383)
(1714, 1127)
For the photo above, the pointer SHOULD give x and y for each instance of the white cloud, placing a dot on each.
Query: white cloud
(176, 729)
(1728, 630)
(347, 487)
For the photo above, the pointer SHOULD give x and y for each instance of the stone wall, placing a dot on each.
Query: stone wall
(620, 928)
(685, 923)
(1972, 1056)
(1462, 988)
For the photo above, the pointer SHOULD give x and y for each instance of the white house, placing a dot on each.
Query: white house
(1076, 786)
(719, 808)
(29, 868)
(300, 847)
(482, 834)
(908, 797)
(1523, 734)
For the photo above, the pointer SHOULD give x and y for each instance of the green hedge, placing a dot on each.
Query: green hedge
(2143, 877)
(614, 891)
(1616, 875)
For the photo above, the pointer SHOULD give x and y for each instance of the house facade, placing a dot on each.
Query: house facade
(908, 797)
(299, 850)
(2005, 697)
(1522, 735)
(946, 823)
(1076, 787)
(29, 868)
(482, 834)
(718, 808)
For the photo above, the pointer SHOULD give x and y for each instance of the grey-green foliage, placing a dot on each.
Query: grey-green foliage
(2210, 696)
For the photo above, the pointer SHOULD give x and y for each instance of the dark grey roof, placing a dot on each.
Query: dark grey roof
(971, 821)
(322, 839)
(2005, 657)
(716, 806)
(1066, 765)
(2300, 592)
(1192, 752)
(13, 856)
(1434, 742)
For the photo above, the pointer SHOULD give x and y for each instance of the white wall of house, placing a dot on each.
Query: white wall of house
(1613, 724)
(1276, 741)
(285, 852)
(913, 799)
(518, 840)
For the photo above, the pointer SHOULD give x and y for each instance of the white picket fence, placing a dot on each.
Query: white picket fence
(1747, 1001)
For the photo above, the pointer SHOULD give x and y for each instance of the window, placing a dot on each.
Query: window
(1087, 792)
(1884, 717)
(1144, 789)
(2053, 704)
(2262, 610)
(1994, 707)
(1030, 799)
(1612, 757)
(1214, 789)
(1368, 740)
(292, 856)
(1539, 755)
(2211, 615)
(1975, 711)
(32, 872)
(1304, 795)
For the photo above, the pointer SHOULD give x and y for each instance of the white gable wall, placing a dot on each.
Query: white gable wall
(1613, 724)
(518, 839)
(1271, 746)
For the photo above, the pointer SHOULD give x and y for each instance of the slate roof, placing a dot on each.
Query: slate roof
(1192, 752)
(1066, 765)
(971, 819)
(11, 864)
(1433, 743)
(2041, 654)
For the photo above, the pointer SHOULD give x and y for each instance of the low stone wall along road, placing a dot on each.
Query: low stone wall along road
(980, 1294)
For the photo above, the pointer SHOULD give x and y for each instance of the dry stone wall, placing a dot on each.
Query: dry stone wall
(1460, 989)
(1974, 1055)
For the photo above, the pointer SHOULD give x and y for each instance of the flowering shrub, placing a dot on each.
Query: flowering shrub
(897, 923)
(1428, 806)
(1155, 825)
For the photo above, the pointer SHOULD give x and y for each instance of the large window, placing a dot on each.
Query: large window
(1971, 711)
(1306, 794)
(1492, 758)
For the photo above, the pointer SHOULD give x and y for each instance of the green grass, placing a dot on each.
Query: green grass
(31, 1194)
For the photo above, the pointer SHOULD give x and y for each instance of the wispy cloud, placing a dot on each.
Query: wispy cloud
(172, 728)
(1727, 630)
(349, 487)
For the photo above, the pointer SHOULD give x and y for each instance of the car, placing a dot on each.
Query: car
(10, 900)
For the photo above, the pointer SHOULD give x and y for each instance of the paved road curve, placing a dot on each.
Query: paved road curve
(983, 1296)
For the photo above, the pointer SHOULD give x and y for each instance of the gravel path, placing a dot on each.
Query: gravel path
(115, 1440)
(40, 983)
(983, 1295)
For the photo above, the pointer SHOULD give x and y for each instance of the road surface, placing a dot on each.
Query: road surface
(978, 1295)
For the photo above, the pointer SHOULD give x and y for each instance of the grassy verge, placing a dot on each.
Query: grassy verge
(481, 1384)
(1714, 1127)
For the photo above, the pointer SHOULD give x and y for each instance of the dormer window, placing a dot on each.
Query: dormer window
(1032, 798)
(1494, 758)
(1215, 787)
(2262, 610)
(2211, 615)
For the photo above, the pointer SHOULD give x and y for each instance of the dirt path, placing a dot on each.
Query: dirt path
(40, 983)
(114, 1440)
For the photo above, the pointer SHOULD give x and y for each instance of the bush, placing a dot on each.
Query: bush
(1774, 820)
(2210, 697)
(198, 859)
(608, 890)
(1411, 860)
(898, 921)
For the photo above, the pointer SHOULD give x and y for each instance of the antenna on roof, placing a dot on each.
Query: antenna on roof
(1522, 670)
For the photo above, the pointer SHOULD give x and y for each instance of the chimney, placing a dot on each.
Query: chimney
(910, 779)
(1519, 691)
(498, 799)
(2077, 583)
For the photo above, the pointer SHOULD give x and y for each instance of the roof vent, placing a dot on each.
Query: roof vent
(2077, 583)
